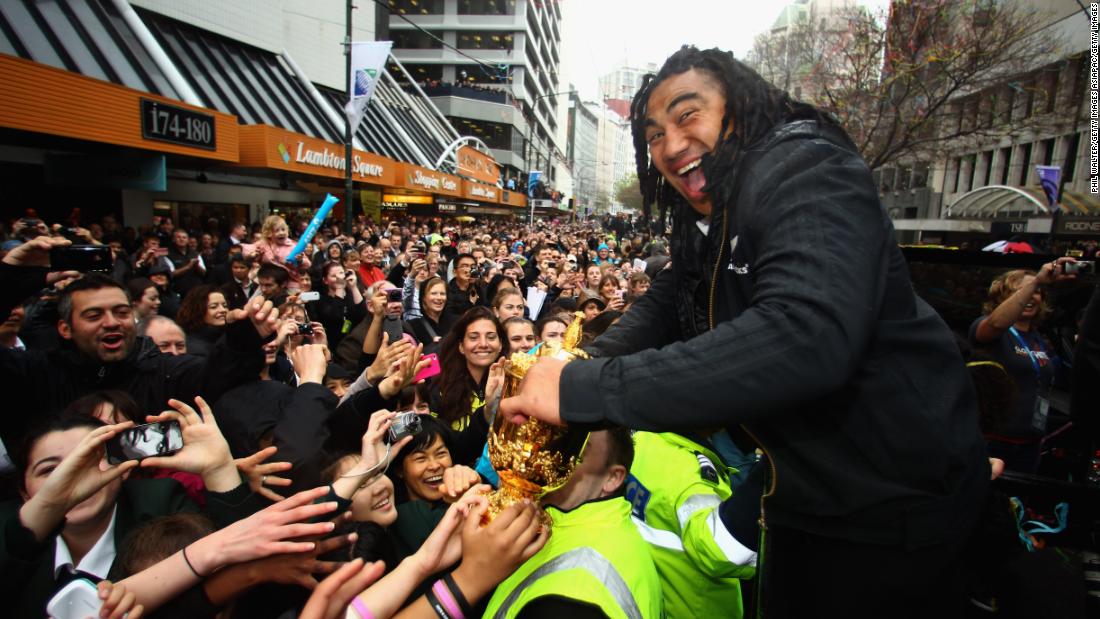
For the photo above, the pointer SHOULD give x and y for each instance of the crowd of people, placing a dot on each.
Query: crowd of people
(762, 371)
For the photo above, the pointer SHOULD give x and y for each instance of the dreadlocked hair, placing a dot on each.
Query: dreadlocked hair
(755, 104)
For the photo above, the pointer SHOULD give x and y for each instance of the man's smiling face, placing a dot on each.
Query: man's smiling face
(683, 122)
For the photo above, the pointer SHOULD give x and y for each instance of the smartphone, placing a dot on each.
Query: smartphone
(391, 325)
(81, 258)
(160, 251)
(1081, 267)
(162, 438)
(393, 295)
(430, 371)
(312, 295)
(76, 600)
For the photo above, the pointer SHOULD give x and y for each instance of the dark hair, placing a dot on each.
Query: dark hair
(192, 312)
(454, 380)
(600, 323)
(545, 320)
(328, 266)
(136, 287)
(753, 107)
(608, 277)
(426, 285)
(89, 281)
(430, 428)
(275, 272)
(53, 423)
(156, 540)
(506, 346)
(620, 450)
(124, 405)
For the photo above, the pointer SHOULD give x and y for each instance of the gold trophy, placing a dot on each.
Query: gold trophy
(534, 458)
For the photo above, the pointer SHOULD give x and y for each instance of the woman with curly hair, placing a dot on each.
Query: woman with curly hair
(203, 316)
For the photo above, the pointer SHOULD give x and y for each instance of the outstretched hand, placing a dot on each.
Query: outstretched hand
(538, 394)
(205, 451)
(260, 475)
(330, 599)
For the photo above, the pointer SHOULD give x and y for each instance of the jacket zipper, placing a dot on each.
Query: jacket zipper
(771, 464)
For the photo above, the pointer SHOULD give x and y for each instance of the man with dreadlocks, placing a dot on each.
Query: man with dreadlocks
(788, 313)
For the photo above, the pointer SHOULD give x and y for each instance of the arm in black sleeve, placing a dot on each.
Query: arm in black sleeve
(355, 312)
(1086, 373)
(557, 606)
(348, 423)
(820, 242)
(20, 282)
(650, 323)
(301, 433)
(396, 276)
(237, 358)
(469, 442)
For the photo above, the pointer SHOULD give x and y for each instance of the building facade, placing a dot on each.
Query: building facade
(492, 67)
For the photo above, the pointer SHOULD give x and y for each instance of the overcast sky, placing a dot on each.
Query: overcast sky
(597, 35)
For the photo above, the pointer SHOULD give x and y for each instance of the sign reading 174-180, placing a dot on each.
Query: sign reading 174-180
(168, 123)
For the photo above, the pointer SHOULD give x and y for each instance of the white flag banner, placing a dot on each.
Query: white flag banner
(368, 60)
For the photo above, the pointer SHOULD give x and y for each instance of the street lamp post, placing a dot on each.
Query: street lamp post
(527, 141)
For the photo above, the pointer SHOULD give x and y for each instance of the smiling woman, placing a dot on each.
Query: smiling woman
(458, 395)
(202, 315)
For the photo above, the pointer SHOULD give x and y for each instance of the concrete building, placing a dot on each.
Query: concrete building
(583, 152)
(624, 81)
(987, 184)
(491, 66)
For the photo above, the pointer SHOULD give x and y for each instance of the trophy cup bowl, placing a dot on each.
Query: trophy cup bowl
(533, 458)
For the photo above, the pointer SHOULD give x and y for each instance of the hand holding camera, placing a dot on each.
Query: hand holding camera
(205, 451)
(77, 477)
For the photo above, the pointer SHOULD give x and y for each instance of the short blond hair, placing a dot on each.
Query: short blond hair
(1005, 285)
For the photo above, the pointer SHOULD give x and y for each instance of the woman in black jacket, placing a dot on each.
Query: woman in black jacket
(339, 304)
(435, 321)
(203, 316)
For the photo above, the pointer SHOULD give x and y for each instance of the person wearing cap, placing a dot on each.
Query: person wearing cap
(160, 273)
(591, 307)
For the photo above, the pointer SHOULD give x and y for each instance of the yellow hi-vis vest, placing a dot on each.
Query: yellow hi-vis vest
(594, 555)
(675, 487)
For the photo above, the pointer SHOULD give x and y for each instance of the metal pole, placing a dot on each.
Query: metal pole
(349, 202)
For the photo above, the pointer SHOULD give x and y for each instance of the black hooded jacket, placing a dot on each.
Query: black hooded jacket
(794, 318)
(35, 382)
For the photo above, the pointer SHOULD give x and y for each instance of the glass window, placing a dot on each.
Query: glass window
(417, 7)
(415, 39)
(1025, 153)
(486, 7)
(484, 40)
(1069, 166)
(423, 72)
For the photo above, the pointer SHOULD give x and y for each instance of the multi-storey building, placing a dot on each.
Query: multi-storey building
(491, 66)
(623, 81)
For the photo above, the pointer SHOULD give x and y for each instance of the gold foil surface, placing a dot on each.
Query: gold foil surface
(534, 458)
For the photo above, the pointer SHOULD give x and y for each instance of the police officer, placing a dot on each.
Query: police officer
(675, 488)
(595, 564)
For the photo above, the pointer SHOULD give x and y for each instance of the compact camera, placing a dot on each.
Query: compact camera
(405, 424)
(305, 328)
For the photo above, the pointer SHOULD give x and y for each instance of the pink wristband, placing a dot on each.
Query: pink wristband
(443, 594)
(361, 608)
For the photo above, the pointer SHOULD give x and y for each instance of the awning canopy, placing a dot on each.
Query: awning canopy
(82, 36)
(1005, 202)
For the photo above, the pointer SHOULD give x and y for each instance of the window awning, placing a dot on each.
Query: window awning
(82, 36)
(1005, 202)
(250, 83)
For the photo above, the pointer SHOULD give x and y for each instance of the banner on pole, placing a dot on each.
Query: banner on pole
(1049, 176)
(533, 178)
(368, 60)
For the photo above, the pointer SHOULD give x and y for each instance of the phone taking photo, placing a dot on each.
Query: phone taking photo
(162, 438)
(83, 258)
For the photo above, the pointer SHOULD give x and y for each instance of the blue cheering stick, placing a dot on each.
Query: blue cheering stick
(307, 236)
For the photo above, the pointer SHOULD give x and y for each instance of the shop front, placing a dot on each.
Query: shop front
(116, 140)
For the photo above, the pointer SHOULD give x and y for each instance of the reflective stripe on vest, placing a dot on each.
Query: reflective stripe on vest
(586, 559)
(658, 537)
(693, 504)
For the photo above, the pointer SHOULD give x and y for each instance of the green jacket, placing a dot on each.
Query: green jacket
(675, 487)
(595, 556)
